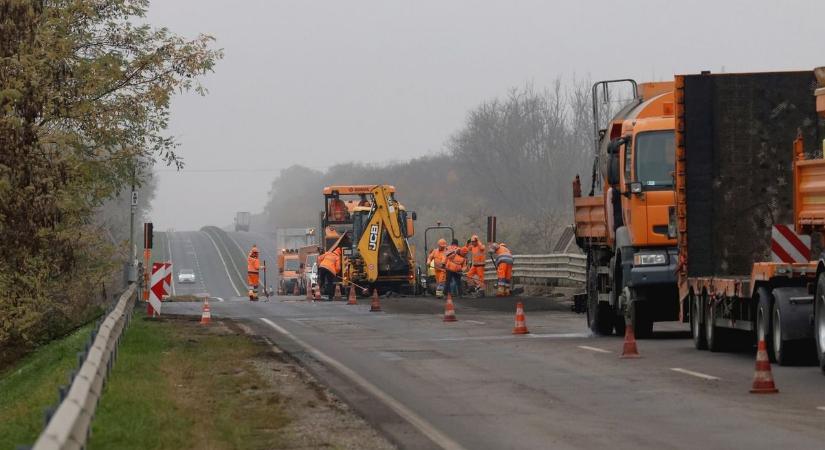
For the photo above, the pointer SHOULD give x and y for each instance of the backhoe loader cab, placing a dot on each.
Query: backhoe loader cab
(372, 228)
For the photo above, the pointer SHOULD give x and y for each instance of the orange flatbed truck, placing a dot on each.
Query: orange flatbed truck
(622, 224)
(750, 188)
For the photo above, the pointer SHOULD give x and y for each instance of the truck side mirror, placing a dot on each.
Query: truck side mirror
(414, 215)
(411, 226)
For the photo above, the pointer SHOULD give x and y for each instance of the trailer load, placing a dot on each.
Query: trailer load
(750, 180)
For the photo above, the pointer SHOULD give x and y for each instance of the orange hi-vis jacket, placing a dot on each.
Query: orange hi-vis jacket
(253, 266)
(456, 258)
(478, 255)
(503, 256)
(331, 261)
(440, 258)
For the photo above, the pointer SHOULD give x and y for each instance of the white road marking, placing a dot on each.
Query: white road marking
(821, 408)
(235, 288)
(560, 335)
(218, 299)
(477, 322)
(414, 419)
(594, 349)
(695, 374)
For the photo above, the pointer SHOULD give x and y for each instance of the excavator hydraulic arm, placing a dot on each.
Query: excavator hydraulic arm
(384, 217)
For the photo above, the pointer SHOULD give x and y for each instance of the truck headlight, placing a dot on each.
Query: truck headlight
(649, 259)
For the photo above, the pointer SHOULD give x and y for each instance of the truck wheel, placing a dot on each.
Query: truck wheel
(619, 325)
(641, 319)
(599, 318)
(819, 320)
(711, 330)
(782, 349)
(763, 321)
(696, 329)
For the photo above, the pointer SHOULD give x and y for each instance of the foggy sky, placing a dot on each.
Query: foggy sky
(321, 82)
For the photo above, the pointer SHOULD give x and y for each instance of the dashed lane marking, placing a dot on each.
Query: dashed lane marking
(694, 374)
(821, 408)
(218, 299)
(414, 419)
(477, 322)
(594, 349)
(228, 276)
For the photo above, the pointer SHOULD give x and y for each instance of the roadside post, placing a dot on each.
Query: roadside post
(148, 236)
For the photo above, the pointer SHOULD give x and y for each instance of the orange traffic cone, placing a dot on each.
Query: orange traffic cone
(310, 289)
(337, 295)
(449, 310)
(296, 290)
(352, 300)
(629, 350)
(376, 304)
(521, 321)
(206, 313)
(317, 294)
(763, 378)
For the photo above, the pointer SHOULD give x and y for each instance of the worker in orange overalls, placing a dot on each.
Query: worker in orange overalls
(329, 264)
(438, 257)
(503, 260)
(456, 260)
(253, 267)
(478, 255)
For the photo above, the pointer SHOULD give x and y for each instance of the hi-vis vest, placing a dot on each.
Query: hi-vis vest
(456, 259)
(252, 265)
(330, 261)
(439, 257)
(503, 255)
(478, 255)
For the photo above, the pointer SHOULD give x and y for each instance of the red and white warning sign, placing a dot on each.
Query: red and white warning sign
(789, 247)
(156, 289)
(167, 279)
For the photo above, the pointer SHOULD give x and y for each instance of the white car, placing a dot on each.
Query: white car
(311, 271)
(186, 276)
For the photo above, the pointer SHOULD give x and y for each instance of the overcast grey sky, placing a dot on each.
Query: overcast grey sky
(320, 82)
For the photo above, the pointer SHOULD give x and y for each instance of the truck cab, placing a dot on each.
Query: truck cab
(624, 225)
(290, 271)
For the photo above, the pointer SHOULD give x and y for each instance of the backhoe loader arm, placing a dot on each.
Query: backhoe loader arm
(384, 218)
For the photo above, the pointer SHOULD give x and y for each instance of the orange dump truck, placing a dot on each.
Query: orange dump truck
(622, 224)
(290, 271)
(750, 190)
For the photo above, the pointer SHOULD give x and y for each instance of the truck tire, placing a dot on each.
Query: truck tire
(819, 320)
(696, 324)
(619, 325)
(641, 319)
(712, 335)
(599, 318)
(764, 325)
(783, 350)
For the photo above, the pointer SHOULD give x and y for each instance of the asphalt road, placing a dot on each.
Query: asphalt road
(472, 384)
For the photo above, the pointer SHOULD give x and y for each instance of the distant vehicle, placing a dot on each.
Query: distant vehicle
(186, 276)
(311, 271)
(242, 221)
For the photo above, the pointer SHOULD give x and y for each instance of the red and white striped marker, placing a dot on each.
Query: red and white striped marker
(789, 247)
(156, 290)
(167, 279)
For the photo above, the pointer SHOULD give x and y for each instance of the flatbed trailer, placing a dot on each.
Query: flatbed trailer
(748, 197)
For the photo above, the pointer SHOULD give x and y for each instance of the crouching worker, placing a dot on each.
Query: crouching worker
(503, 260)
(328, 266)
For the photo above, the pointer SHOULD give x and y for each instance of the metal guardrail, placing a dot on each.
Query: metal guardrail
(69, 427)
(529, 269)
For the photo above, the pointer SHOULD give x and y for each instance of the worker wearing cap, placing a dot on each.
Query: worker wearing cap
(253, 267)
(456, 260)
(503, 260)
(438, 258)
(475, 276)
(329, 264)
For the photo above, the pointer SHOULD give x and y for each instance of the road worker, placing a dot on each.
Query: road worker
(338, 211)
(362, 200)
(329, 265)
(253, 267)
(503, 260)
(438, 257)
(456, 260)
(478, 255)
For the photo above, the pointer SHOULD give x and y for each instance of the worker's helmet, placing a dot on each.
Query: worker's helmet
(474, 238)
(442, 242)
(494, 246)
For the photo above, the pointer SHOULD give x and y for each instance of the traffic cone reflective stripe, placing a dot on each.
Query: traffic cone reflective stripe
(337, 295)
(763, 377)
(206, 313)
(352, 300)
(449, 310)
(376, 304)
(629, 350)
(521, 321)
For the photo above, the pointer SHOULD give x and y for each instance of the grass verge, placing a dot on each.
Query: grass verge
(179, 385)
(30, 386)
